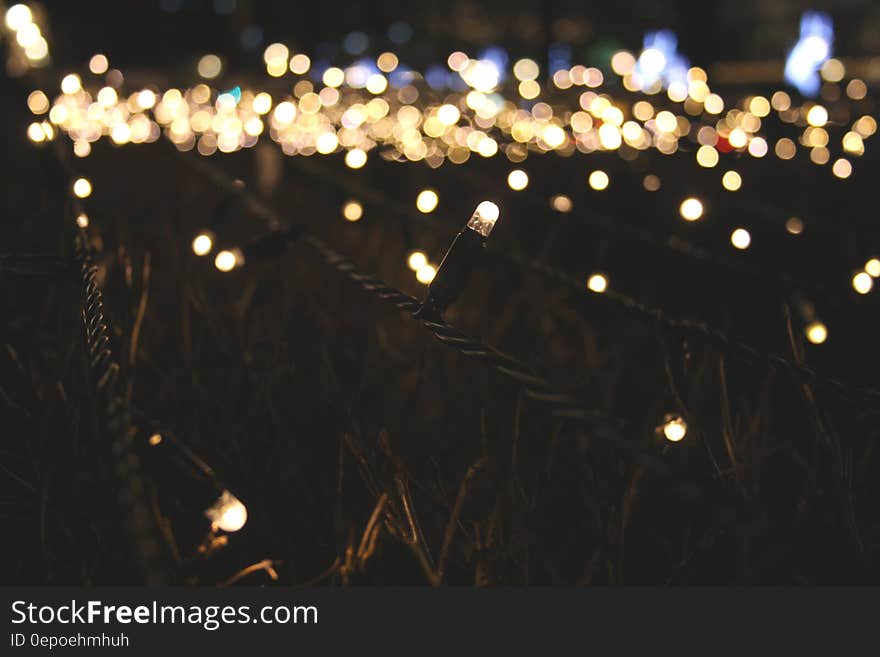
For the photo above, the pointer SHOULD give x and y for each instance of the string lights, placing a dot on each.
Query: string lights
(449, 280)
(176, 468)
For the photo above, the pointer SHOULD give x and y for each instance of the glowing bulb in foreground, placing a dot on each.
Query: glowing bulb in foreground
(228, 260)
(82, 188)
(873, 267)
(228, 513)
(352, 211)
(203, 243)
(417, 260)
(674, 428)
(426, 274)
(427, 201)
(862, 282)
(597, 283)
(740, 238)
(484, 217)
(816, 332)
(691, 209)
(518, 180)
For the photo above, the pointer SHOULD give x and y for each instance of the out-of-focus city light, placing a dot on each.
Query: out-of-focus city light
(209, 67)
(561, 203)
(517, 180)
(651, 182)
(862, 282)
(82, 188)
(352, 211)
(425, 274)
(731, 181)
(810, 52)
(203, 243)
(794, 225)
(597, 283)
(355, 158)
(598, 180)
(227, 260)
(99, 64)
(417, 260)
(427, 200)
(872, 267)
(816, 332)
(740, 238)
(691, 209)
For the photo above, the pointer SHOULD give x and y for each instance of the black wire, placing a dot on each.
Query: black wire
(868, 399)
(112, 408)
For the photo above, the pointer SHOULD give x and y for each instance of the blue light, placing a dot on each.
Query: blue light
(400, 77)
(812, 49)
(660, 60)
(316, 72)
(437, 77)
(559, 57)
(497, 58)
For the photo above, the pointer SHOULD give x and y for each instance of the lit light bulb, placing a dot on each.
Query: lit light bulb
(355, 158)
(597, 283)
(873, 267)
(674, 428)
(794, 226)
(228, 513)
(99, 64)
(352, 211)
(155, 439)
(417, 260)
(862, 282)
(82, 188)
(203, 243)
(691, 209)
(484, 218)
(425, 274)
(599, 180)
(517, 180)
(816, 332)
(427, 201)
(817, 116)
(740, 238)
(71, 83)
(227, 260)
(17, 16)
(731, 181)
(82, 220)
(561, 203)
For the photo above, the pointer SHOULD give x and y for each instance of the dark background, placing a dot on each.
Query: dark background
(282, 375)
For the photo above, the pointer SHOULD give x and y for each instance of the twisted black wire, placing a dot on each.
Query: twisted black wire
(534, 386)
(115, 418)
(867, 398)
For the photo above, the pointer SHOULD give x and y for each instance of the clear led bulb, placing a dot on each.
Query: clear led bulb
(228, 513)
(484, 217)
